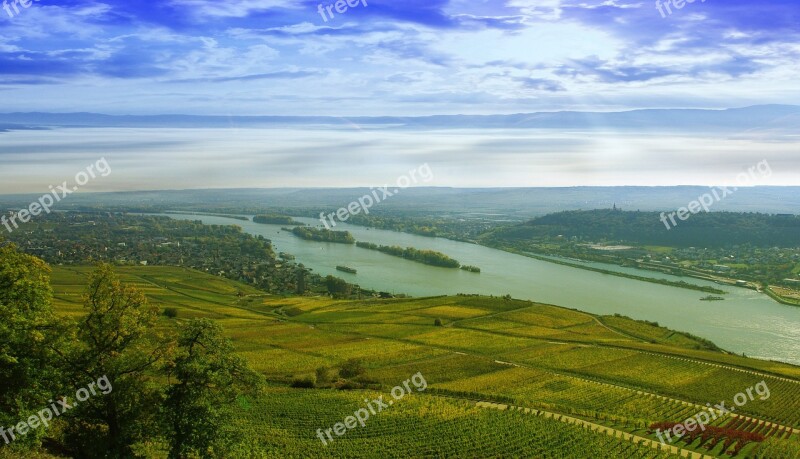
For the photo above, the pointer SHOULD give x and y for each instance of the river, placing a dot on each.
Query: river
(746, 322)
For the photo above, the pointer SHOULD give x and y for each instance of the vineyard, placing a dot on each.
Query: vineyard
(613, 372)
(284, 425)
(734, 436)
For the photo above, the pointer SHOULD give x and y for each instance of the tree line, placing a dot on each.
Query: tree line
(324, 235)
(705, 229)
(428, 257)
(276, 219)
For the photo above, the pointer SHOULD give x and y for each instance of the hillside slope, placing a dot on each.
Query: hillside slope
(609, 371)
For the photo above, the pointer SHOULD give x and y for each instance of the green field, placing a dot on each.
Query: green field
(616, 374)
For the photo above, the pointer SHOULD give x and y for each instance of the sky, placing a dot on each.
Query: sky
(395, 57)
(391, 57)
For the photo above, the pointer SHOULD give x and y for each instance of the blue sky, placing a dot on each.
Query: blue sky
(395, 57)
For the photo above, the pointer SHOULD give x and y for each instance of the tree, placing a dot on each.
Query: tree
(301, 279)
(352, 368)
(338, 288)
(209, 377)
(116, 340)
(28, 335)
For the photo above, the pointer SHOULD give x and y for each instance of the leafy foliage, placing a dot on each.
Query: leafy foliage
(713, 229)
(209, 378)
(352, 368)
(275, 219)
(116, 340)
(29, 334)
(428, 257)
(338, 288)
(319, 234)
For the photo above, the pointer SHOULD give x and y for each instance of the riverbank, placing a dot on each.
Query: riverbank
(232, 216)
(781, 299)
(679, 284)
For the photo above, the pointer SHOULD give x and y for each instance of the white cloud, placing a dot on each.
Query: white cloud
(548, 10)
(210, 9)
(537, 44)
(606, 3)
(304, 28)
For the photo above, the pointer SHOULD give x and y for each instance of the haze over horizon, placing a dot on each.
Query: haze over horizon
(399, 59)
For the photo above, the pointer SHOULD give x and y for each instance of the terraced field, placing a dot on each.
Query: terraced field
(604, 371)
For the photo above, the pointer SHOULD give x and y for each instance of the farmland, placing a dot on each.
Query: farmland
(617, 376)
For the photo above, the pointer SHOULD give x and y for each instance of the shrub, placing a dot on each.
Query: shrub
(323, 375)
(344, 384)
(292, 312)
(304, 383)
(170, 313)
(352, 368)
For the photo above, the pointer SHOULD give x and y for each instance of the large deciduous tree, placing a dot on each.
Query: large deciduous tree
(206, 378)
(29, 331)
(116, 339)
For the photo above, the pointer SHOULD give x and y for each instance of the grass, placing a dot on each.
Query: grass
(612, 371)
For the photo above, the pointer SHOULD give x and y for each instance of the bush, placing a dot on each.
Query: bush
(170, 313)
(293, 312)
(357, 384)
(344, 384)
(323, 375)
(352, 368)
(438, 323)
(304, 383)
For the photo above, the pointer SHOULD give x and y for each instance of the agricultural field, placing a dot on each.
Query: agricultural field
(617, 376)
(285, 425)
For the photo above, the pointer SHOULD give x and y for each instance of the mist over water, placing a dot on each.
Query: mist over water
(316, 156)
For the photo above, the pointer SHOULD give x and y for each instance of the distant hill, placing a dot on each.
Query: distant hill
(719, 229)
(760, 118)
(489, 203)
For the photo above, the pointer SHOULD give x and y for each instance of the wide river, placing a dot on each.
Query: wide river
(746, 322)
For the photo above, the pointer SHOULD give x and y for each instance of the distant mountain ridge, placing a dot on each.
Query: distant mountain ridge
(517, 203)
(780, 118)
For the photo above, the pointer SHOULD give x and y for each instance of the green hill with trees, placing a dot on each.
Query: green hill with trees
(714, 229)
